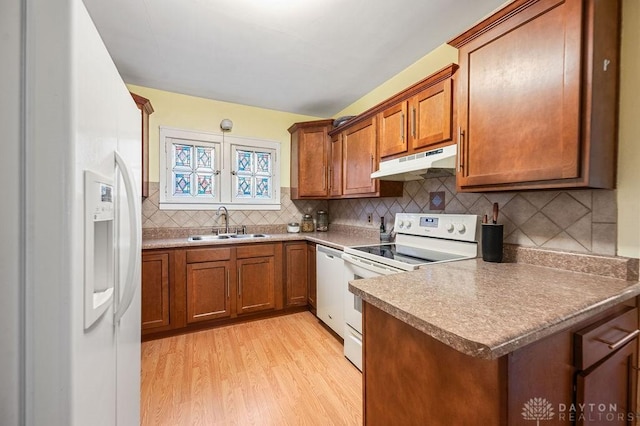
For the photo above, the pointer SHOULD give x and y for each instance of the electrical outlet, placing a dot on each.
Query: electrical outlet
(369, 217)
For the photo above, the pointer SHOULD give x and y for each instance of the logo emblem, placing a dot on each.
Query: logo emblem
(537, 409)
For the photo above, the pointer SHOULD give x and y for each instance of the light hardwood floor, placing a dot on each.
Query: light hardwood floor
(286, 370)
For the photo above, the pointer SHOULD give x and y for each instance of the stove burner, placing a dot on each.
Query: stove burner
(389, 251)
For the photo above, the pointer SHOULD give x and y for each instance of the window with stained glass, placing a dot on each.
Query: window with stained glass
(193, 171)
(253, 171)
(202, 171)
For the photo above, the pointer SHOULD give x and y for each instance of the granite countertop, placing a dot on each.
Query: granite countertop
(335, 239)
(488, 310)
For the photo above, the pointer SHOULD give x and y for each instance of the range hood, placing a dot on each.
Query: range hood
(416, 166)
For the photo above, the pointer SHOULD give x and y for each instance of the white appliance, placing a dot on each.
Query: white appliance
(415, 166)
(329, 288)
(82, 237)
(421, 240)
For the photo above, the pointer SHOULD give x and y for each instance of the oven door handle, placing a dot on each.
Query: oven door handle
(370, 266)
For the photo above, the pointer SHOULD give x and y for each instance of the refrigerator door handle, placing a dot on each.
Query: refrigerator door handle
(136, 245)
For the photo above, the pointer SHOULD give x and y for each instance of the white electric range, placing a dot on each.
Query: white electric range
(421, 239)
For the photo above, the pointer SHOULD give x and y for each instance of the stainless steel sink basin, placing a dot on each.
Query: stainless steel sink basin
(213, 237)
(207, 237)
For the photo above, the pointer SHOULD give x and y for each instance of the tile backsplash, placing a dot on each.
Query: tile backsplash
(291, 210)
(582, 221)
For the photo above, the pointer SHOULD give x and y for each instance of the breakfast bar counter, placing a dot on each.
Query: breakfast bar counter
(487, 309)
(471, 342)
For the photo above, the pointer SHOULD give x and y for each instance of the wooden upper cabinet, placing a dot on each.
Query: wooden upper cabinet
(392, 128)
(431, 116)
(419, 118)
(335, 166)
(359, 157)
(144, 105)
(537, 92)
(310, 147)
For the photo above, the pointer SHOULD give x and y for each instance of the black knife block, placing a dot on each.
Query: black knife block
(492, 235)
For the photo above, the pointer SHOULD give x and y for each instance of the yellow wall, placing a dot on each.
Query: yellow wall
(628, 193)
(193, 113)
(432, 62)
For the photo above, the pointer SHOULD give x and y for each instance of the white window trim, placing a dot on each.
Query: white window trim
(226, 166)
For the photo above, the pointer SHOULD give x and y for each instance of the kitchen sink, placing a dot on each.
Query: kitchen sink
(208, 237)
(223, 237)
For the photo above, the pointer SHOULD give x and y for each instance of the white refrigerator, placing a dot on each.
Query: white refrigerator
(77, 331)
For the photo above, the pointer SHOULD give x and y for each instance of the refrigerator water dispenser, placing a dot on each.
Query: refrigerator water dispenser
(99, 272)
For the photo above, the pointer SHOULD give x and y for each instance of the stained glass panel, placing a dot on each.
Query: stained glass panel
(182, 155)
(182, 184)
(243, 187)
(205, 184)
(263, 187)
(263, 163)
(243, 161)
(205, 157)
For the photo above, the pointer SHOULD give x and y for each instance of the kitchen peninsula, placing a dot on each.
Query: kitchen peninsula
(480, 340)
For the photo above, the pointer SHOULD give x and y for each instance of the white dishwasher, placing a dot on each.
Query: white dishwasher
(330, 291)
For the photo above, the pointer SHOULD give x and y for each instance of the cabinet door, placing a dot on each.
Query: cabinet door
(335, 166)
(155, 290)
(359, 158)
(208, 291)
(610, 383)
(311, 276)
(256, 284)
(431, 115)
(296, 273)
(313, 153)
(144, 105)
(520, 106)
(392, 127)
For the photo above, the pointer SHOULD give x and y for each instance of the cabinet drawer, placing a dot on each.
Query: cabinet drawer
(604, 337)
(208, 255)
(256, 250)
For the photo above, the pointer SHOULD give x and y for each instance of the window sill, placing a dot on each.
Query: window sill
(229, 206)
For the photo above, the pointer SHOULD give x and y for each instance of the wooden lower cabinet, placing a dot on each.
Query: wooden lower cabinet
(418, 380)
(200, 287)
(256, 284)
(296, 273)
(311, 277)
(155, 290)
(208, 291)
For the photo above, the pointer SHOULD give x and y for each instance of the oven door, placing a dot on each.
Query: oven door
(357, 269)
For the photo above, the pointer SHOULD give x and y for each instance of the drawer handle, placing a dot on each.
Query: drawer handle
(626, 339)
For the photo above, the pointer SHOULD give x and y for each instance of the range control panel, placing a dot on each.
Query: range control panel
(460, 227)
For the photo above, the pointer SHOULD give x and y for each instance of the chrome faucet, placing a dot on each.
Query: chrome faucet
(226, 218)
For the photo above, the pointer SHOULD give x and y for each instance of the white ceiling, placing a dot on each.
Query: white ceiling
(312, 57)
